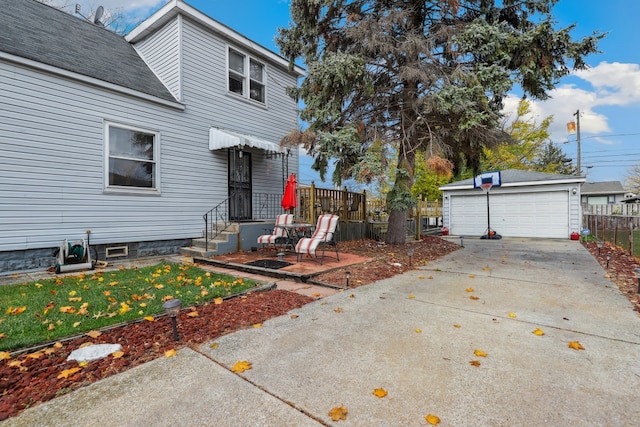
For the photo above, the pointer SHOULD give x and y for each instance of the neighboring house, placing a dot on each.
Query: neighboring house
(603, 193)
(527, 204)
(135, 137)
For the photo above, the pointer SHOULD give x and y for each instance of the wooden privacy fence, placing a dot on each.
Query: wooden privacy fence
(618, 225)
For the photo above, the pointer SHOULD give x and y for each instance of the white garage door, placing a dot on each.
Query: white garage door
(512, 215)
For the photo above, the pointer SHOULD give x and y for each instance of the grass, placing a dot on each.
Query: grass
(36, 312)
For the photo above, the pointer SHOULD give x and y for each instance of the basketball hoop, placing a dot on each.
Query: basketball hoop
(486, 186)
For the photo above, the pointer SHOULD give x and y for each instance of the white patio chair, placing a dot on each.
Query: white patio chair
(324, 233)
(277, 233)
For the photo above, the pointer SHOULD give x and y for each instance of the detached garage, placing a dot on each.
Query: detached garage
(526, 204)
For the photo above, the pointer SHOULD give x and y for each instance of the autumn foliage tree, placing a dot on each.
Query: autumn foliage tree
(405, 76)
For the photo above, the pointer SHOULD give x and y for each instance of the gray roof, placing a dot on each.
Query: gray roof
(41, 33)
(605, 187)
(517, 176)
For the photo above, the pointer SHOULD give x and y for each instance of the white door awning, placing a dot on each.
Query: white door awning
(220, 139)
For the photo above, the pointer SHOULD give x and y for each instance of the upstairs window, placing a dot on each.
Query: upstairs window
(246, 76)
(131, 158)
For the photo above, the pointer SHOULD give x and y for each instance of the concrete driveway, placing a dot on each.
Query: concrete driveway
(414, 336)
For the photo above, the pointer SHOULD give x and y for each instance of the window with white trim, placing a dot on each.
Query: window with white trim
(246, 76)
(131, 158)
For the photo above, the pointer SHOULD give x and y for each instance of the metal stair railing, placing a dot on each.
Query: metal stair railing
(218, 215)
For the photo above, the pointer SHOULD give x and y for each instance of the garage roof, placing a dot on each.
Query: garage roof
(519, 178)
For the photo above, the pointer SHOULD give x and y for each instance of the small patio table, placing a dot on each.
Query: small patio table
(295, 232)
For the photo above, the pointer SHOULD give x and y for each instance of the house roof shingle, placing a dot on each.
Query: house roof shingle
(514, 177)
(41, 33)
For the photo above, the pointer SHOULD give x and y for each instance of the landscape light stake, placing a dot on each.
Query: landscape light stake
(608, 259)
(599, 244)
(462, 241)
(172, 308)
(347, 274)
(410, 254)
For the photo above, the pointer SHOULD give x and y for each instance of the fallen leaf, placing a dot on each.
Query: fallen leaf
(432, 419)
(170, 353)
(352, 296)
(475, 363)
(15, 363)
(3, 335)
(475, 298)
(75, 299)
(67, 309)
(316, 295)
(338, 310)
(457, 326)
(117, 354)
(480, 353)
(294, 316)
(539, 332)
(150, 318)
(241, 366)
(469, 290)
(17, 310)
(217, 301)
(430, 277)
(420, 277)
(412, 296)
(67, 372)
(214, 345)
(575, 345)
(192, 314)
(35, 355)
(486, 268)
(86, 344)
(57, 345)
(51, 327)
(76, 324)
(380, 392)
(338, 413)
(49, 351)
(5, 355)
(418, 331)
(472, 276)
(257, 325)
(512, 315)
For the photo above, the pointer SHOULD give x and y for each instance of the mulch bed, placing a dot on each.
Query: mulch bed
(30, 379)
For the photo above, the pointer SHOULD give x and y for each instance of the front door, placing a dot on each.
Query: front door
(239, 185)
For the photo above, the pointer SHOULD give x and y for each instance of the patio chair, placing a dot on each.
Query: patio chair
(323, 235)
(278, 234)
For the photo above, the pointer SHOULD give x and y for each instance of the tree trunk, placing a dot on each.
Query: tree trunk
(397, 228)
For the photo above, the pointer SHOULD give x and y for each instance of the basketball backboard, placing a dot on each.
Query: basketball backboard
(492, 178)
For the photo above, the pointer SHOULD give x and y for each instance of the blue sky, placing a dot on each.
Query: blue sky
(607, 95)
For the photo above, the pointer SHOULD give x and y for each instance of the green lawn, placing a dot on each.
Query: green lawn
(48, 310)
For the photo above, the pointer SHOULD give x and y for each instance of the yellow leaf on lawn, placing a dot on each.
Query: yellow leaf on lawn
(3, 335)
(170, 353)
(338, 413)
(257, 325)
(475, 363)
(158, 286)
(457, 326)
(67, 372)
(418, 331)
(512, 315)
(575, 345)
(51, 327)
(107, 293)
(475, 298)
(75, 299)
(67, 309)
(380, 392)
(5, 355)
(217, 301)
(76, 324)
(150, 318)
(72, 293)
(480, 353)
(469, 290)
(18, 310)
(539, 332)
(241, 366)
(94, 334)
(432, 419)
(117, 354)
(412, 296)
(192, 314)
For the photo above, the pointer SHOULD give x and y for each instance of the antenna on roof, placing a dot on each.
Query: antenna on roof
(99, 13)
(96, 18)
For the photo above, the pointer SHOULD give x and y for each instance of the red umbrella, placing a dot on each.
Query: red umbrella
(289, 200)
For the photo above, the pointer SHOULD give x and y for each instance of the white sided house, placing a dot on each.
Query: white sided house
(526, 204)
(134, 138)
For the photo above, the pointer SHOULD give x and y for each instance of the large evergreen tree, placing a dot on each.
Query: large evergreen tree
(419, 75)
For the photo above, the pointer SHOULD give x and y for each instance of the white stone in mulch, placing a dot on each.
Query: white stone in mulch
(93, 352)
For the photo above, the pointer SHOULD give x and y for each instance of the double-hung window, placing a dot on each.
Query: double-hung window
(131, 158)
(246, 76)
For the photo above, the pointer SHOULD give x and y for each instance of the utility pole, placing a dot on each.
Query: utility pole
(577, 114)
